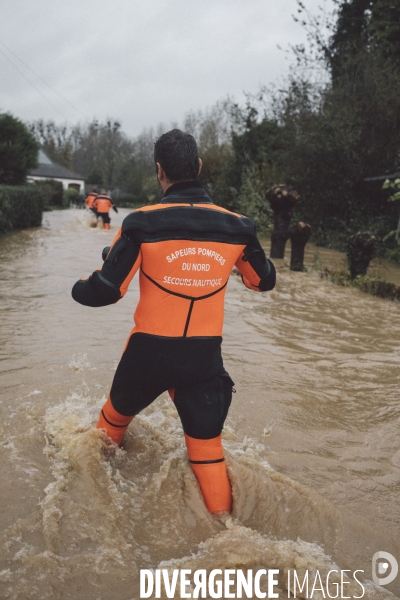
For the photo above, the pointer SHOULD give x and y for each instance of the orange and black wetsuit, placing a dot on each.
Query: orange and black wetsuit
(102, 205)
(89, 201)
(185, 248)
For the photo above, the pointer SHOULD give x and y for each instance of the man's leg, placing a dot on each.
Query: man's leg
(134, 387)
(113, 422)
(203, 409)
(207, 461)
(106, 221)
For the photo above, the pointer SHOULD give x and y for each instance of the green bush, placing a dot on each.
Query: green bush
(365, 283)
(127, 200)
(73, 197)
(393, 254)
(51, 192)
(20, 207)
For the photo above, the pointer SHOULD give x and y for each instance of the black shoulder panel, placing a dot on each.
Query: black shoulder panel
(188, 222)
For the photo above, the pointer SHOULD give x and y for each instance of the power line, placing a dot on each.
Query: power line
(32, 84)
(41, 78)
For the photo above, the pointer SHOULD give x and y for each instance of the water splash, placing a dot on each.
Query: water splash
(105, 515)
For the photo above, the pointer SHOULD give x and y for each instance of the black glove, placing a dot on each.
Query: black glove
(115, 208)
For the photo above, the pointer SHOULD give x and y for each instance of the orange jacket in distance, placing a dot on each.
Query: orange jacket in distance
(185, 248)
(103, 204)
(90, 199)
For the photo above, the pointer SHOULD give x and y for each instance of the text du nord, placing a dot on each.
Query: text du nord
(196, 266)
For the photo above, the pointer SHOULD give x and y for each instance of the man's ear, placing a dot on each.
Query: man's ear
(159, 170)
(200, 165)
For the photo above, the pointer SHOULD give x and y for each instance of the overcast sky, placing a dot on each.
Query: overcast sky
(141, 61)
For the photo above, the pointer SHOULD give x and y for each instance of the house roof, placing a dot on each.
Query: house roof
(43, 159)
(49, 169)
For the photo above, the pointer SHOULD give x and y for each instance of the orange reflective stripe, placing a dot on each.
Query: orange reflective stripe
(162, 205)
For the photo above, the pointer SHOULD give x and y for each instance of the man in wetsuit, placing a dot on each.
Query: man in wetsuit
(90, 198)
(102, 204)
(184, 248)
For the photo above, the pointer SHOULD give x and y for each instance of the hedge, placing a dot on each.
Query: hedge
(72, 197)
(52, 193)
(365, 283)
(20, 207)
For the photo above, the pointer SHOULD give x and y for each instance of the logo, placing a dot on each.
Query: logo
(384, 568)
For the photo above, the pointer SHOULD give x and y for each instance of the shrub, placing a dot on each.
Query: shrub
(51, 192)
(127, 200)
(365, 283)
(393, 254)
(20, 207)
(73, 197)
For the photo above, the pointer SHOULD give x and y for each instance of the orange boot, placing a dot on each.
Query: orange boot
(113, 422)
(207, 461)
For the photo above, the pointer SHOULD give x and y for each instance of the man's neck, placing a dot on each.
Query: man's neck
(180, 185)
(165, 185)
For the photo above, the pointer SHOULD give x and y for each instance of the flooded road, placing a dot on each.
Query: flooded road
(312, 437)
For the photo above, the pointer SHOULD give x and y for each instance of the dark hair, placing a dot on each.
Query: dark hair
(177, 153)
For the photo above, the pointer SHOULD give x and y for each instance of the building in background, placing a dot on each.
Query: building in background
(47, 169)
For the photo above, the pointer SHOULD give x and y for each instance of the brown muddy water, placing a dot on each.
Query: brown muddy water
(312, 438)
